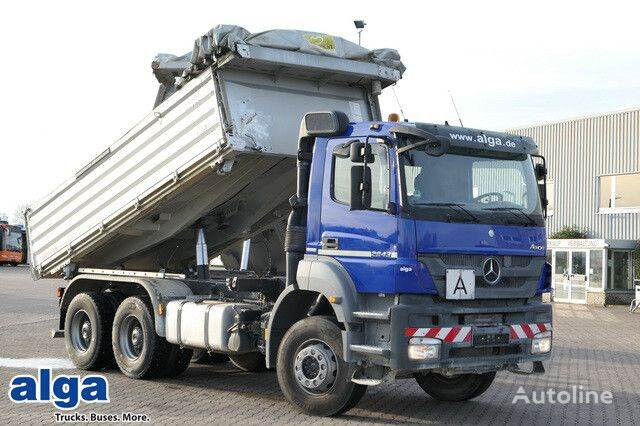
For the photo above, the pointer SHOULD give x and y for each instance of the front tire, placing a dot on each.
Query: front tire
(311, 371)
(457, 388)
(87, 331)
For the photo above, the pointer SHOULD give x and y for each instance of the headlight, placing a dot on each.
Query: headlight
(421, 348)
(541, 343)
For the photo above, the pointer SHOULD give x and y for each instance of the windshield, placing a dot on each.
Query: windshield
(467, 188)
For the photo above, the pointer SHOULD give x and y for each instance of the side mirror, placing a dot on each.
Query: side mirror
(540, 171)
(360, 188)
(358, 152)
(542, 189)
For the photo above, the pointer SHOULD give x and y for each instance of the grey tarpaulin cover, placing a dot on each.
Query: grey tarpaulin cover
(225, 38)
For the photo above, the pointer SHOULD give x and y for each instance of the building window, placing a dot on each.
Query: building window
(619, 193)
(619, 270)
(551, 199)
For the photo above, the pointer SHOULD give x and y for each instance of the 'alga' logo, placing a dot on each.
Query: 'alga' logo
(65, 392)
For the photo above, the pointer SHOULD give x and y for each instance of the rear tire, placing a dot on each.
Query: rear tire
(252, 362)
(201, 356)
(178, 361)
(311, 371)
(139, 352)
(87, 330)
(218, 358)
(457, 388)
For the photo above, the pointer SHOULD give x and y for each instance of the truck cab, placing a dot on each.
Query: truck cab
(429, 243)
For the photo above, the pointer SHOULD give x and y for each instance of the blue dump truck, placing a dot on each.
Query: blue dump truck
(356, 251)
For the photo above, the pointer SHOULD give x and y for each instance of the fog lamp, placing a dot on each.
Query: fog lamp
(421, 348)
(541, 343)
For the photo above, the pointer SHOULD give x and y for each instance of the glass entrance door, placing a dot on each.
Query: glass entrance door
(578, 278)
(561, 283)
(570, 276)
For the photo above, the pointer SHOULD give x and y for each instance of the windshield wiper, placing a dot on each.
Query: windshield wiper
(451, 206)
(512, 210)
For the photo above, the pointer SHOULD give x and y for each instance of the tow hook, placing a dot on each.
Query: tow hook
(538, 368)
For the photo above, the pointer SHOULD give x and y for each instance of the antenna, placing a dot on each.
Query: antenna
(395, 95)
(456, 108)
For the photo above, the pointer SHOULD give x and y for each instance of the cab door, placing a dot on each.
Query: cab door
(363, 241)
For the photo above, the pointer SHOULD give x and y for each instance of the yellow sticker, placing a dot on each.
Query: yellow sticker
(323, 41)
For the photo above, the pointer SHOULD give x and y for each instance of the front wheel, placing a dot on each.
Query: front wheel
(461, 387)
(311, 371)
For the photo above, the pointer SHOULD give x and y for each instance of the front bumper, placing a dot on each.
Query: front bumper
(473, 335)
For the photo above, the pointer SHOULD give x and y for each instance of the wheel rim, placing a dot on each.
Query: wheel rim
(81, 331)
(315, 367)
(131, 337)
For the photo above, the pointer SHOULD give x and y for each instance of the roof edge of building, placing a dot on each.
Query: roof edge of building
(570, 119)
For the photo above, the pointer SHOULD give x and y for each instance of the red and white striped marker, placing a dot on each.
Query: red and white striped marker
(527, 331)
(446, 334)
(463, 334)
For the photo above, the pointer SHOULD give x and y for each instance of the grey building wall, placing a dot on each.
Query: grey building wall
(580, 150)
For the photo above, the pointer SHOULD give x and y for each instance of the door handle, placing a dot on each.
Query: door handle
(330, 243)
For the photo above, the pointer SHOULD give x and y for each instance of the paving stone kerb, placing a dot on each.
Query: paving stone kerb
(596, 348)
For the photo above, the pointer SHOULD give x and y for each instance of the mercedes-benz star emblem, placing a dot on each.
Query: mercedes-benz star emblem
(491, 270)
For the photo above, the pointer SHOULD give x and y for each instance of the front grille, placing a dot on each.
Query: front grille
(504, 282)
(519, 275)
(476, 260)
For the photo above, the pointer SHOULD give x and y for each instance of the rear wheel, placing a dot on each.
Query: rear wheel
(177, 362)
(201, 356)
(461, 387)
(253, 362)
(311, 371)
(87, 329)
(139, 352)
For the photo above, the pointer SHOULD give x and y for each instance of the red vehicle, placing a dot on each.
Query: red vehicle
(11, 245)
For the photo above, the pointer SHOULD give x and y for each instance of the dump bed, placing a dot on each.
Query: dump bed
(218, 153)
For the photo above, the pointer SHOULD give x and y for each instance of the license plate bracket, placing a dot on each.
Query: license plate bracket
(490, 339)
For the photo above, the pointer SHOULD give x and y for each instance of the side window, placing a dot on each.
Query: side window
(14, 241)
(341, 179)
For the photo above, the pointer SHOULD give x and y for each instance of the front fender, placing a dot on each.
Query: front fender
(327, 276)
(316, 275)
